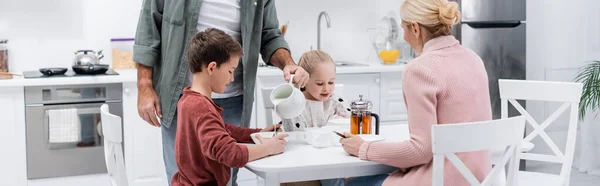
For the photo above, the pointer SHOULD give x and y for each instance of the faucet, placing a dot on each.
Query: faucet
(319, 27)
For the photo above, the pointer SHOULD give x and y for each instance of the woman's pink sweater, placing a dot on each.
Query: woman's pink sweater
(446, 84)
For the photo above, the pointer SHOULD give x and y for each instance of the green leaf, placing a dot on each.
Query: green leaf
(589, 75)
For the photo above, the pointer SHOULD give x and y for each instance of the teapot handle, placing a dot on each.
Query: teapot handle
(376, 123)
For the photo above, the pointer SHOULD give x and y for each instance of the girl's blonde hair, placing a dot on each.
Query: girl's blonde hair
(310, 59)
(436, 16)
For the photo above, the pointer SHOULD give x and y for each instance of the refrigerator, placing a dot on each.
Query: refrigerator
(495, 30)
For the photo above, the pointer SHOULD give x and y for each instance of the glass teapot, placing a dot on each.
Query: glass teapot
(360, 119)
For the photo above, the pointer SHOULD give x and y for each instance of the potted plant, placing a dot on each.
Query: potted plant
(589, 75)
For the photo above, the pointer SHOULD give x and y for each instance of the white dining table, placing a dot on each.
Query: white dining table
(303, 162)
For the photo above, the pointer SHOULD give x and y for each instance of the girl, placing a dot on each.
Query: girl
(321, 104)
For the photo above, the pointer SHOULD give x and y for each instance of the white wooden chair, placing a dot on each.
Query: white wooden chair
(113, 147)
(270, 108)
(564, 92)
(449, 139)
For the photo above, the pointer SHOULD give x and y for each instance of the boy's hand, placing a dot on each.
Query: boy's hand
(272, 128)
(274, 145)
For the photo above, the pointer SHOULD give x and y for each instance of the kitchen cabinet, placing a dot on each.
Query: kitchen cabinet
(392, 101)
(13, 163)
(356, 84)
(143, 144)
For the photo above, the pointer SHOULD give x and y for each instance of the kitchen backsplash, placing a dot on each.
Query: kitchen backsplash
(46, 33)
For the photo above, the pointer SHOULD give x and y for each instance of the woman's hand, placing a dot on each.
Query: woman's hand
(272, 128)
(351, 143)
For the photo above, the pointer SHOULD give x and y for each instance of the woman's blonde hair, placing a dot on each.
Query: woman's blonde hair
(437, 16)
(310, 59)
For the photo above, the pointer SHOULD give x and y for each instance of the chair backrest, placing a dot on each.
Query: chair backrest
(113, 147)
(486, 135)
(269, 107)
(564, 92)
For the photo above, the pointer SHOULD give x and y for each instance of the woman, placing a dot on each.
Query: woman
(446, 84)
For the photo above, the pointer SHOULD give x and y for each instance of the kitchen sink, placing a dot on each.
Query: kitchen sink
(348, 64)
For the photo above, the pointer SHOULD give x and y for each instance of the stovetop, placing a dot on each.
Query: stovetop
(69, 73)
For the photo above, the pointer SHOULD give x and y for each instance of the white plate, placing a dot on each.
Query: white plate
(371, 137)
(341, 121)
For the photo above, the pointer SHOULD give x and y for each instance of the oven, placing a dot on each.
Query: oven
(63, 128)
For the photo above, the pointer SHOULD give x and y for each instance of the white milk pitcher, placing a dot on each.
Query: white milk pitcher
(288, 101)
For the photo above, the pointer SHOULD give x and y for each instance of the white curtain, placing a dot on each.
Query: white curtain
(587, 152)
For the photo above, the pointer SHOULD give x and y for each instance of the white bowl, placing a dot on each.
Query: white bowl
(339, 122)
(322, 137)
(264, 135)
(343, 124)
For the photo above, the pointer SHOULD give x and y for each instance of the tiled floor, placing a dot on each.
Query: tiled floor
(577, 178)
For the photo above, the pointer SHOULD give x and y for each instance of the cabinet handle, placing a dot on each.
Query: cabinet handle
(377, 80)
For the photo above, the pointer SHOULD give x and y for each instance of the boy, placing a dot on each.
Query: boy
(205, 147)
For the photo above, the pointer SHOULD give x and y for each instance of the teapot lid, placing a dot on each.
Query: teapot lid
(361, 104)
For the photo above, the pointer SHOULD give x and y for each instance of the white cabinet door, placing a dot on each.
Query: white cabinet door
(392, 100)
(354, 84)
(360, 84)
(143, 144)
(13, 165)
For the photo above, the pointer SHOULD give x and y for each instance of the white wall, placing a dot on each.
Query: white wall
(561, 36)
(45, 33)
(347, 39)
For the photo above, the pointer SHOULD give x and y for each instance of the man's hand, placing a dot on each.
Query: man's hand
(148, 103)
(300, 75)
(282, 59)
(149, 106)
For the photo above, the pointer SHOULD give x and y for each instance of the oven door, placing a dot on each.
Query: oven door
(65, 140)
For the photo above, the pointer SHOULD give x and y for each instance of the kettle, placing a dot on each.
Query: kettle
(87, 57)
(88, 62)
(360, 120)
